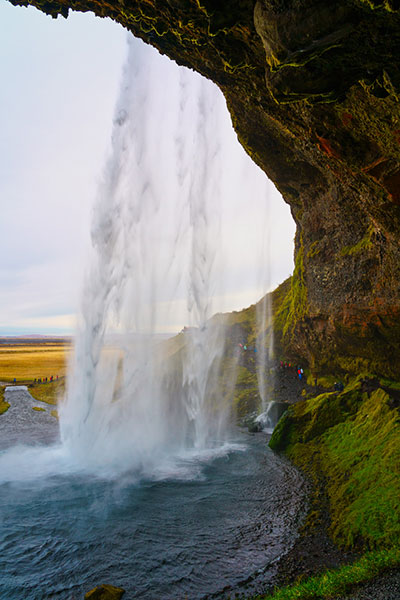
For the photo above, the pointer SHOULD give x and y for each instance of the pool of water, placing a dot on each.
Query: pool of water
(208, 526)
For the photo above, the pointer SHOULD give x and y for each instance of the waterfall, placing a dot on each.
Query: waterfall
(130, 401)
(264, 329)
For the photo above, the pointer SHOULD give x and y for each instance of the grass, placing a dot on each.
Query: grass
(4, 406)
(351, 438)
(340, 581)
(351, 441)
(48, 392)
(362, 458)
(33, 361)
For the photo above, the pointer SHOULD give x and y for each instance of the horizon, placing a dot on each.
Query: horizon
(47, 210)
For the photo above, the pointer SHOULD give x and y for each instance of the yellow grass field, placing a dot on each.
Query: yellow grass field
(33, 361)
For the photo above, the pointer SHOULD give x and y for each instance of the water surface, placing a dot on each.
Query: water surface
(198, 528)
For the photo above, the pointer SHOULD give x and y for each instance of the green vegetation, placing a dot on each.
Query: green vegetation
(340, 581)
(48, 392)
(4, 406)
(31, 361)
(293, 306)
(350, 442)
(353, 439)
(38, 408)
(361, 246)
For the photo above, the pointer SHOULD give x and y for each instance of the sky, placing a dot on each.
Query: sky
(60, 83)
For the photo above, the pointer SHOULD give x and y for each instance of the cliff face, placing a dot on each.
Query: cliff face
(313, 89)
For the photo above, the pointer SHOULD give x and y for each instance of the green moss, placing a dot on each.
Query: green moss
(340, 581)
(293, 306)
(357, 364)
(326, 381)
(38, 408)
(284, 433)
(302, 58)
(380, 4)
(394, 385)
(352, 438)
(350, 441)
(245, 377)
(362, 245)
(314, 250)
(245, 401)
(363, 459)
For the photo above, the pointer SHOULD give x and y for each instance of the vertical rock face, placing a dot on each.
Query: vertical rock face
(313, 89)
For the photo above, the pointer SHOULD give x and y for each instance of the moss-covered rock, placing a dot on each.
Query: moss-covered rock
(351, 440)
(105, 592)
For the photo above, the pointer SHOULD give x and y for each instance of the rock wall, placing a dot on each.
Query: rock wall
(313, 89)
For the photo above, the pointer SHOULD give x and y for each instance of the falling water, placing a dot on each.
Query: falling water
(130, 404)
(264, 329)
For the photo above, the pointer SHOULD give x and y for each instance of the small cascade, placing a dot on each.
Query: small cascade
(264, 329)
(269, 418)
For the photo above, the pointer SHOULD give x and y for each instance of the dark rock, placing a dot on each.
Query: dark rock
(255, 427)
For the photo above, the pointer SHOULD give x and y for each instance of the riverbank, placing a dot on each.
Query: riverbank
(348, 445)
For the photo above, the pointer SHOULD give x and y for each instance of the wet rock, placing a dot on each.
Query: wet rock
(105, 592)
(255, 427)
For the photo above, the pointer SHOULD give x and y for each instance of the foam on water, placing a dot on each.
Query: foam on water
(15, 388)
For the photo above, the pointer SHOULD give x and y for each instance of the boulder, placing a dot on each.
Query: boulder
(105, 592)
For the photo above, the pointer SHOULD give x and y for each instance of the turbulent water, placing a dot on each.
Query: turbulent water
(201, 527)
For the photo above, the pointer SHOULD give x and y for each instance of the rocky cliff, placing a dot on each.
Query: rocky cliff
(313, 89)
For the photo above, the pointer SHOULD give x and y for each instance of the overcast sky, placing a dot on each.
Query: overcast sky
(60, 81)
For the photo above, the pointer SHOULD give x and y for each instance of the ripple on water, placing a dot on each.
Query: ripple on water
(200, 524)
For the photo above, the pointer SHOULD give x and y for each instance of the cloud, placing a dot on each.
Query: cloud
(57, 112)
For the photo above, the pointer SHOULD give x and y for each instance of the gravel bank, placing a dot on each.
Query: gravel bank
(385, 587)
